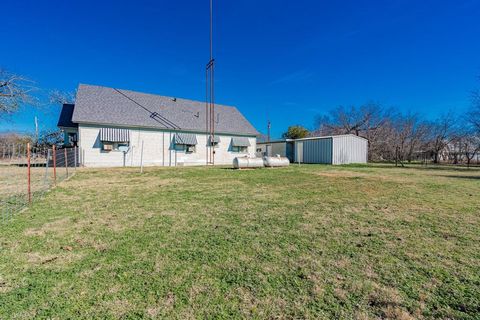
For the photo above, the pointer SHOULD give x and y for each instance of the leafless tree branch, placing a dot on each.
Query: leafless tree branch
(15, 90)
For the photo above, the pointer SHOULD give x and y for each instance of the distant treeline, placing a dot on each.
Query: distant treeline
(395, 136)
(46, 138)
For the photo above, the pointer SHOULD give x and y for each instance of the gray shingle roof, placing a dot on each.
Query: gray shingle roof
(65, 119)
(102, 105)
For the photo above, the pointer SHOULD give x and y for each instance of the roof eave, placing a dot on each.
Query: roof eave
(161, 129)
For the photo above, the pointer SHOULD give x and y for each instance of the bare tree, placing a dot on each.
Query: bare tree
(61, 97)
(369, 121)
(473, 116)
(50, 137)
(15, 138)
(393, 136)
(441, 135)
(353, 120)
(15, 90)
(471, 147)
(403, 127)
(418, 138)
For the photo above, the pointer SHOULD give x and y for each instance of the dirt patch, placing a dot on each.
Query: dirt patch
(163, 306)
(340, 174)
(66, 257)
(119, 307)
(389, 300)
(362, 175)
(59, 227)
(5, 286)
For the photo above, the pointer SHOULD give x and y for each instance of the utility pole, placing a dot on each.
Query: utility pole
(269, 125)
(210, 97)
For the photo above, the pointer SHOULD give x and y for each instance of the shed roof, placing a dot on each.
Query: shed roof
(65, 119)
(313, 138)
(103, 105)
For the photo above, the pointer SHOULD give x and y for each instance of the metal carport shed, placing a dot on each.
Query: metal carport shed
(339, 149)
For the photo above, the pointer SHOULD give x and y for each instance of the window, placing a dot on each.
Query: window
(242, 149)
(213, 144)
(72, 138)
(185, 148)
(114, 139)
(185, 142)
(107, 146)
(115, 146)
(213, 141)
(121, 146)
(240, 144)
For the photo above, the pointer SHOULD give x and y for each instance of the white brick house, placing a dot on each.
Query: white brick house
(110, 126)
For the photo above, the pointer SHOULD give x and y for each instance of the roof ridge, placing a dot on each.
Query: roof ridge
(154, 94)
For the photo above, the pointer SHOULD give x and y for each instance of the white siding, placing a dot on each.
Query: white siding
(349, 149)
(157, 150)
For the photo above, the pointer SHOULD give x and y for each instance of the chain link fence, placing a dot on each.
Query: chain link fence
(27, 172)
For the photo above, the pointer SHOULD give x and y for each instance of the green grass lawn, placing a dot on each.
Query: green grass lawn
(300, 242)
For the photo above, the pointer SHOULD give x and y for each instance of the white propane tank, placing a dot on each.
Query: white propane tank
(246, 162)
(276, 161)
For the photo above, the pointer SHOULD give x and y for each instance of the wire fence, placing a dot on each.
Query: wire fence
(27, 172)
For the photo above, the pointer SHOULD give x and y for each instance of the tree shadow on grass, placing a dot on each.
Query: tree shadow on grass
(423, 167)
(461, 177)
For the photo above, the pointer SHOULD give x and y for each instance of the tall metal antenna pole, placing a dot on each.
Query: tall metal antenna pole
(269, 125)
(210, 97)
(211, 30)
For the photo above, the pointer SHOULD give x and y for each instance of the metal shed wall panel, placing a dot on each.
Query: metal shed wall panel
(298, 151)
(317, 151)
(349, 149)
(279, 148)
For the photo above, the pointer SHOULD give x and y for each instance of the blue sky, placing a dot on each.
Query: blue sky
(290, 59)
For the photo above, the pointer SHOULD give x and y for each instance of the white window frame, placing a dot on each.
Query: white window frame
(185, 147)
(239, 149)
(115, 146)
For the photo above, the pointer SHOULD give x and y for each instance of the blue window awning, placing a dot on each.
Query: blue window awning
(188, 139)
(240, 142)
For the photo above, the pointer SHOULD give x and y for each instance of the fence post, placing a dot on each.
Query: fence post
(28, 173)
(45, 180)
(54, 165)
(66, 160)
(75, 158)
(141, 159)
